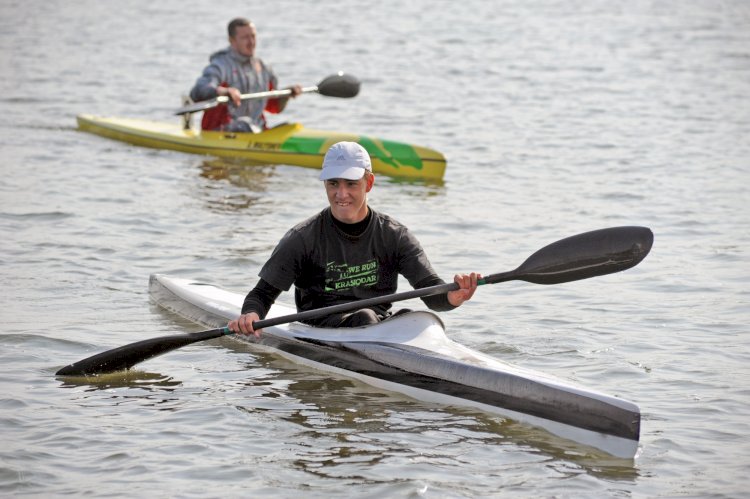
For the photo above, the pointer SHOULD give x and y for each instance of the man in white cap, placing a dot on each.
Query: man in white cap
(345, 253)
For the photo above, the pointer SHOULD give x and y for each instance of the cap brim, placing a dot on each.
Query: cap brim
(345, 172)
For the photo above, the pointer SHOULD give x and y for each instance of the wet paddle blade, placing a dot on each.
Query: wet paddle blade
(127, 356)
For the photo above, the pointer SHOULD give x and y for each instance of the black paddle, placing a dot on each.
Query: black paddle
(336, 85)
(590, 254)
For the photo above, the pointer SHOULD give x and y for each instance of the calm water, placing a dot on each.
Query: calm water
(556, 118)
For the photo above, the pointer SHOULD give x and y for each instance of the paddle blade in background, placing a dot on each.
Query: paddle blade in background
(127, 356)
(339, 85)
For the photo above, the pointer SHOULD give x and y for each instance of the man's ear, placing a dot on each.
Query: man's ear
(370, 182)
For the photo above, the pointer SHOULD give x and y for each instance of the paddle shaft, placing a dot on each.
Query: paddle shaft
(270, 94)
(380, 300)
(223, 99)
(336, 85)
(586, 255)
(377, 300)
(356, 305)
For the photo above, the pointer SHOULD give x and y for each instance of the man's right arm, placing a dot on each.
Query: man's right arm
(205, 86)
(260, 299)
(257, 303)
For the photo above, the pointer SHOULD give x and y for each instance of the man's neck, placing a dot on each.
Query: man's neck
(242, 58)
(355, 228)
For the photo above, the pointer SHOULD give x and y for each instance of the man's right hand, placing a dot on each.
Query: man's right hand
(231, 92)
(244, 324)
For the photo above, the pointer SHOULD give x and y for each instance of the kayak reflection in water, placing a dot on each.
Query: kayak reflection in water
(233, 71)
(345, 253)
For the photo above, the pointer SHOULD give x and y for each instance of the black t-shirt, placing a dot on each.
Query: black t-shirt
(329, 266)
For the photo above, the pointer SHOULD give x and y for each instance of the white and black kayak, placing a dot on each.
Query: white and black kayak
(411, 354)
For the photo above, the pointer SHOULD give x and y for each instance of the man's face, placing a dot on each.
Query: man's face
(348, 198)
(243, 40)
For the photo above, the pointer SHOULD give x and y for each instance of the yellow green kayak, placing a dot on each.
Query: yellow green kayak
(288, 144)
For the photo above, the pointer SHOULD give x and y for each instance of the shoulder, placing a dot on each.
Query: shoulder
(304, 236)
(385, 221)
(219, 55)
(395, 233)
(313, 223)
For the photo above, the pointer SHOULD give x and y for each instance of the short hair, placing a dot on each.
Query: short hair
(236, 23)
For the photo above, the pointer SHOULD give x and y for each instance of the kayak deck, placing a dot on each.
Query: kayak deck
(289, 143)
(411, 354)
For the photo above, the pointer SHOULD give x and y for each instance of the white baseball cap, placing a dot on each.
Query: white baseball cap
(347, 160)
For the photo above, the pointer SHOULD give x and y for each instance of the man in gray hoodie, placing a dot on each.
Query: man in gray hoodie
(233, 71)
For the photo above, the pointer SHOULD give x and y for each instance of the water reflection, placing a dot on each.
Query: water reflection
(248, 184)
(352, 424)
(131, 378)
(349, 422)
(434, 186)
(259, 177)
(239, 172)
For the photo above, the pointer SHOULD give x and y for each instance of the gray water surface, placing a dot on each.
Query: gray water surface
(556, 118)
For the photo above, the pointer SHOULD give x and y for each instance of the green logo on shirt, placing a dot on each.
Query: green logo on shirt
(342, 276)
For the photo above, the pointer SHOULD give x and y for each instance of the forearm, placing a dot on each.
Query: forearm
(439, 302)
(260, 299)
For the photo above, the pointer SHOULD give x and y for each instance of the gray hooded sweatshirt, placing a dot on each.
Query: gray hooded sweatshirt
(247, 74)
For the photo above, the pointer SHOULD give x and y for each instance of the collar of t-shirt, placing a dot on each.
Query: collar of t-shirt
(356, 229)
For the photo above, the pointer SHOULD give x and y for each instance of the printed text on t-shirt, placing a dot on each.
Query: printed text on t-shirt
(342, 276)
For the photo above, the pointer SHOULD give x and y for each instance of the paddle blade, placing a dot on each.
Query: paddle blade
(127, 356)
(339, 85)
(198, 106)
(590, 254)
